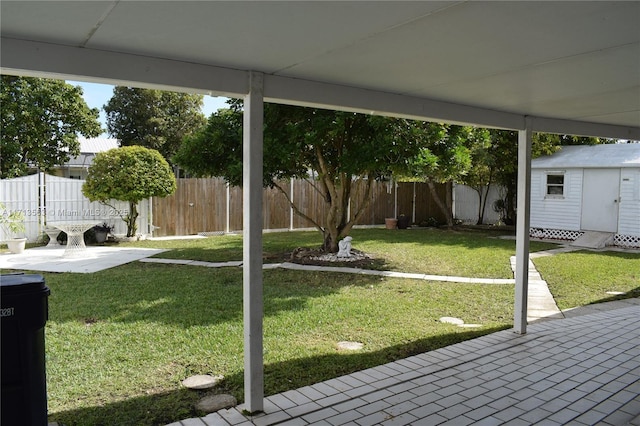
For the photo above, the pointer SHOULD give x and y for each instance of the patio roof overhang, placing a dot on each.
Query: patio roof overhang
(557, 67)
(572, 66)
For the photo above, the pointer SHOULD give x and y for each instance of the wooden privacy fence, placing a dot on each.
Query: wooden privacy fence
(209, 206)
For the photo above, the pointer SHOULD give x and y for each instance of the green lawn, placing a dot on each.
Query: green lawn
(120, 341)
(584, 277)
(423, 250)
(119, 344)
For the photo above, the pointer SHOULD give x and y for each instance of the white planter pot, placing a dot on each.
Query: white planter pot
(16, 245)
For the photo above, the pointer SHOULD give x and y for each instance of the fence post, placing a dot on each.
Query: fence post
(290, 207)
(150, 221)
(42, 205)
(413, 205)
(228, 218)
(395, 201)
(453, 199)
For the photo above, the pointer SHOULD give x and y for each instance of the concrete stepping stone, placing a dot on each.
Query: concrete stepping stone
(213, 403)
(350, 346)
(451, 320)
(201, 381)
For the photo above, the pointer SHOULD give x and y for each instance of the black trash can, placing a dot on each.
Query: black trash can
(23, 314)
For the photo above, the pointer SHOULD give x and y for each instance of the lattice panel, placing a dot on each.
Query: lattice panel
(555, 234)
(631, 241)
(210, 233)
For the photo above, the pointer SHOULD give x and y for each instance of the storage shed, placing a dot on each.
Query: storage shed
(588, 193)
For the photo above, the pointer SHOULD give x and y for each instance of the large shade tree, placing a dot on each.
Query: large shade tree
(155, 119)
(129, 174)
(333, 150)
(40, 121)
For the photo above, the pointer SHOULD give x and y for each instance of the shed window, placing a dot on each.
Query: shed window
(555, 185)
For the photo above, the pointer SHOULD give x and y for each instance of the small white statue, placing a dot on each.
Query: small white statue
(344, 247)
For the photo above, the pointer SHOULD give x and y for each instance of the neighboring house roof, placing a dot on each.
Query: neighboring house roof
(89, 148)
(591, 156)
(95, 145)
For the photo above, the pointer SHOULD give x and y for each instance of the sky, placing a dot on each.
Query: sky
(97, 95)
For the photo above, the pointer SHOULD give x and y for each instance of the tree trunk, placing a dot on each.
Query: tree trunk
(483, 195)
(486, 195)
(131, 218)
(479, 191)
(444, 206)
(510, 206)
(330, 244)
(449, 203)
(337, 222)
(484, 203)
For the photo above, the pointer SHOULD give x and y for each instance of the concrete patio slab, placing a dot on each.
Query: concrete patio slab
(96, 258)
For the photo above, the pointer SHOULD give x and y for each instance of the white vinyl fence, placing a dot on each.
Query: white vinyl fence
(467, 201)
(46, 199)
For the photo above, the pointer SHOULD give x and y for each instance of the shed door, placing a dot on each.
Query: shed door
(600, 198)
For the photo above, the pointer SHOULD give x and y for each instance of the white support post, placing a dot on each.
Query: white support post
(522, 228)
(252, 156)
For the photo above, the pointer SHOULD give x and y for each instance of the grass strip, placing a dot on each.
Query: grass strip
(584, 277)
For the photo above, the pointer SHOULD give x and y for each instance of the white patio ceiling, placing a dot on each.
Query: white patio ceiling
(573, 66)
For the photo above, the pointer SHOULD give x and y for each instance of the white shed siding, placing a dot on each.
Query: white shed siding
(556, 213)
(629, 213)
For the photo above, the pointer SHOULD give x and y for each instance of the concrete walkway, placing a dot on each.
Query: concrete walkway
(540, 303)
(340, 269)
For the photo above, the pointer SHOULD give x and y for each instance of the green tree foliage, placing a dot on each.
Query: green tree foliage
(480, 174)
(40, 121)
(153, 118)
(130, 174)
(332, 150)
(444, 157)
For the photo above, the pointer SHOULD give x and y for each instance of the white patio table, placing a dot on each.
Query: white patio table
(75, 236)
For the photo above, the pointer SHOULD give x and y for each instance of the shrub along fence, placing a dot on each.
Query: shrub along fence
(208, 206)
